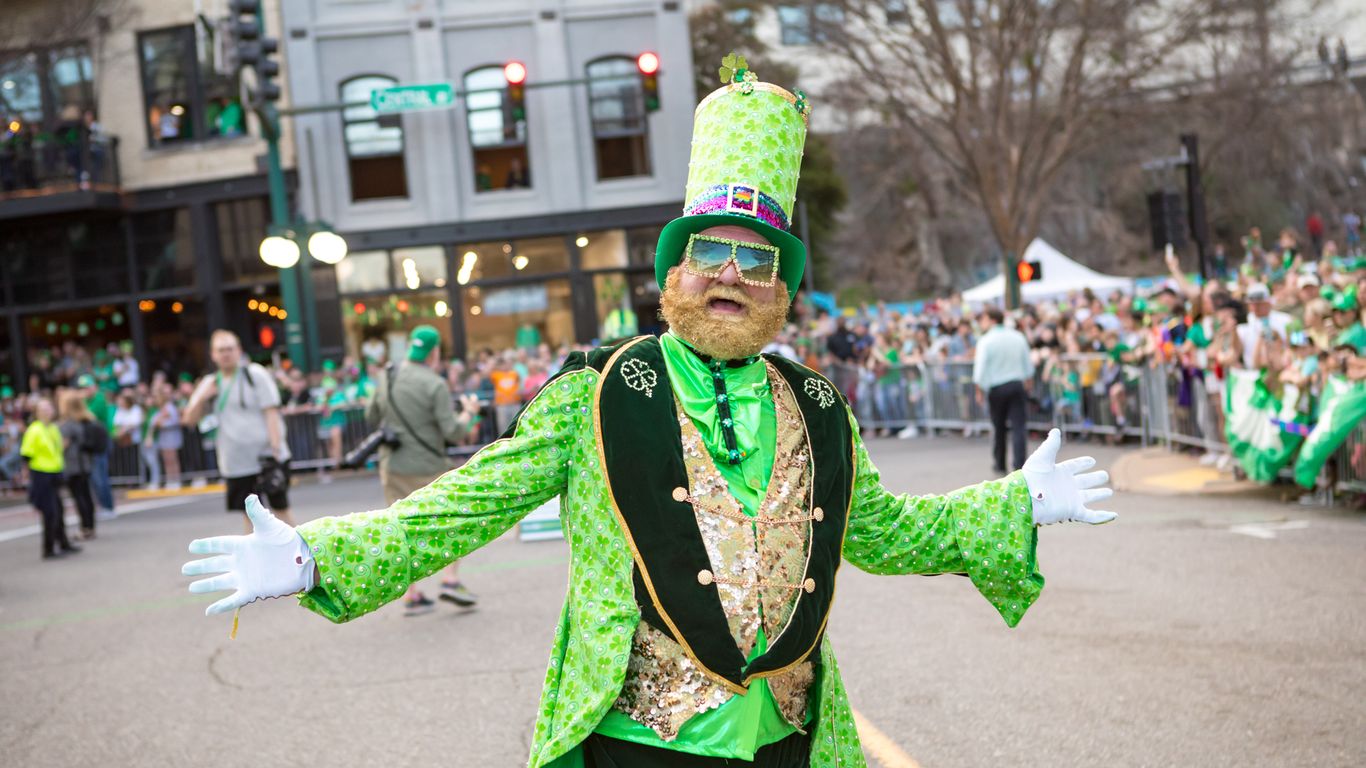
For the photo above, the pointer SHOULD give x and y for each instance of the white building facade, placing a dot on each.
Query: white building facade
(499, 226)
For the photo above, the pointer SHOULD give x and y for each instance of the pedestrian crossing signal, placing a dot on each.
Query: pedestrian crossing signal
(1029, 271)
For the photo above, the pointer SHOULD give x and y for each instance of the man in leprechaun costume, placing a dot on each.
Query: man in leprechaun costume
(709, 496)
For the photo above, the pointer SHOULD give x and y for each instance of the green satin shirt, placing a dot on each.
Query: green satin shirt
(746, 722)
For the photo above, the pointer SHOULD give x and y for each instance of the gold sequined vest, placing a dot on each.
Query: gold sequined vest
(757, 565)
(707, 576)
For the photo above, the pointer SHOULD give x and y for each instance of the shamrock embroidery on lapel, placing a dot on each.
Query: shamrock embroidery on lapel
(820, 391)
(640, 376)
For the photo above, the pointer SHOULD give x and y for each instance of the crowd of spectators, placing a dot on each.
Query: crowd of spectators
(1287, 307)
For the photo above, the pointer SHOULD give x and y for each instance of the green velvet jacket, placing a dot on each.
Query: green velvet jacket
(554, 448)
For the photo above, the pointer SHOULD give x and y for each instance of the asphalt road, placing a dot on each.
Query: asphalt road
(1181, 635)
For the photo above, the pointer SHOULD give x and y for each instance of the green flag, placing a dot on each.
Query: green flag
(1341, 407)
(1253, 424)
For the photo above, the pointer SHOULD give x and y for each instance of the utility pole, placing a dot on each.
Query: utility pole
(255, 51)
(1010, 268)
(1195, 201)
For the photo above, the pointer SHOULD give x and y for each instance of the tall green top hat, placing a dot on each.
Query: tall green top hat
(746, 156)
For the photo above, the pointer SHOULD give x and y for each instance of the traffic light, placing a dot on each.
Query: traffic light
(1029, 271)
(1166, 219)
(255, 51)
(648, 64)
(514, 106)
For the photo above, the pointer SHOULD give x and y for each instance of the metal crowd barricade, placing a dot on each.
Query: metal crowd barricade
(1349, 463)
(309, 446)
(1180, 410)
(946, 399)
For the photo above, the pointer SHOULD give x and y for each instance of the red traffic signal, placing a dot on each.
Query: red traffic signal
(515, 72)
(648, 65)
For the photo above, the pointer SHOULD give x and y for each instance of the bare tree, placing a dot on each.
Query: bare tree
(1004, 93)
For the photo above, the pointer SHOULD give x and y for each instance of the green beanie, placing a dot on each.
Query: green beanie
(422, 341)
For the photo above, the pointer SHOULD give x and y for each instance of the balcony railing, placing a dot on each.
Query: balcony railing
(48, 162)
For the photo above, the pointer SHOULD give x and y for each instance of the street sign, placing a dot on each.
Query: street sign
(407, 98)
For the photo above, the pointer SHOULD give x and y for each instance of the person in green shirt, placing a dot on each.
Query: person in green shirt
(97, 399)
(708, 493)
(42, 447)
(1347, 316)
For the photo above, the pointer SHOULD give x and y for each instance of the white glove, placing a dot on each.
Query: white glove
(273, 561)
(1060, 494)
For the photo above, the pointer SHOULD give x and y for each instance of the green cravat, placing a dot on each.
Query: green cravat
(713, 393)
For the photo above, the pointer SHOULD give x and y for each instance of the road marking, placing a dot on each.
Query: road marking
(186, 490)
(1268, 530)
(1185, 480)
(75, 520)
(880, 745)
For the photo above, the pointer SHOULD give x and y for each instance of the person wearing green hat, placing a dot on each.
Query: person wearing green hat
(1347, 317)
(709, 495)
(414, 402)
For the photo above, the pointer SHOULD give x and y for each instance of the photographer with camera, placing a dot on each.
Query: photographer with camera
(238, 407)
(418, 419)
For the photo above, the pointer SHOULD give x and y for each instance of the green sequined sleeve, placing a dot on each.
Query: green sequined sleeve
(368, 559)
(985, 531)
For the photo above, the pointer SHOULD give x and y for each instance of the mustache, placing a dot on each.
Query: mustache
(729, 293)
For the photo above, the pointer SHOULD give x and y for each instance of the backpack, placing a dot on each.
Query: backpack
(94, 438)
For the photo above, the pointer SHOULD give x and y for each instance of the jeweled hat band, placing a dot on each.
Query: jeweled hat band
(743, 199)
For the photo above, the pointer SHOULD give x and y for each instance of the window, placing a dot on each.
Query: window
(47, 119)
(363, 271)
(374, 144)
(21, 95)
(484, 261)
(602, 250)
(164, 246)
(71, 79)
(808, 22)
(616, 104)
(183, 98)
(420, 267)
(519, 315)
(241, 227)
(627, 305)
(377, 327)
(497, 137)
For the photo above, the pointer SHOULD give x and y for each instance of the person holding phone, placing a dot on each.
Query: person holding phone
(1263, 323)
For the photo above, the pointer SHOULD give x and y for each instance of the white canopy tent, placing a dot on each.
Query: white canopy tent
(1061, 276)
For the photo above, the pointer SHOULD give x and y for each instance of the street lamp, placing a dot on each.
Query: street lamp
(327, 246)
(279, 252)
(280, 249)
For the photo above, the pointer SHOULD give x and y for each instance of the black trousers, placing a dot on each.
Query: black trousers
(1007, 404)
(79, 485)
(602, 752)
(43, 494)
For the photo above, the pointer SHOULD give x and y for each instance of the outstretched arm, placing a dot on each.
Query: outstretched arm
(367, 559)
(985, 531)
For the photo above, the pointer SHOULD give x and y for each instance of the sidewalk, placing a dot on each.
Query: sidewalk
(1158, 471)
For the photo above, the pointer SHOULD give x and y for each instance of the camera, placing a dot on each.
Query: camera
(367, 447)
